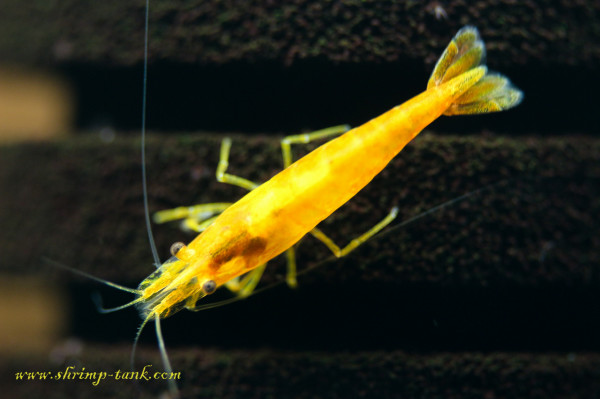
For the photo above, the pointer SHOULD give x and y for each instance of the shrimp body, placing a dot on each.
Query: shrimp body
(277, 214)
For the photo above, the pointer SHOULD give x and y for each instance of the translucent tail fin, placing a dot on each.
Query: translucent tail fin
(492, 93)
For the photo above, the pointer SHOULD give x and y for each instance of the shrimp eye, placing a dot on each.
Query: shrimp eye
(176, 247)
(209, 286)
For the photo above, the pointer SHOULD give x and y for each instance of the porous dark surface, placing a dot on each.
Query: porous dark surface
(554, 33)
(534, 220)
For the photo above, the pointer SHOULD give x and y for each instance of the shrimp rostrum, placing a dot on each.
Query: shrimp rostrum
(234, 246)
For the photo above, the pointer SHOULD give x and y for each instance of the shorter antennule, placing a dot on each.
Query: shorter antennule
(101, 309)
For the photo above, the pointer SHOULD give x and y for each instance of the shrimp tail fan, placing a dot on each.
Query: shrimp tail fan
(492, 93)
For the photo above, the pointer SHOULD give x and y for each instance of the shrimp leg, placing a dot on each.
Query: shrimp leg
(304, 138)
(193, 218)
(198, 217)
(244, 285)
(339, 252)
(223, 177)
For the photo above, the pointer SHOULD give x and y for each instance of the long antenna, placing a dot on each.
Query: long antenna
(144, 101)
(91, 277)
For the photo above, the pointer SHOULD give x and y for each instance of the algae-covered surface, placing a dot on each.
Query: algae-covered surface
(530, 216)
(219, 32)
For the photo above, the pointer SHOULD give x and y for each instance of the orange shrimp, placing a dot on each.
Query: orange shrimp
(277, 214)
(274, 216)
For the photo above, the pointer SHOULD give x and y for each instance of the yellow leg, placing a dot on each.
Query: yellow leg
(222, 167)
(197, 218)
(339, 252)
(193, 218)
(290, 278)
(287, 142)
(245, 285)
(198, 212)
(191, 224)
